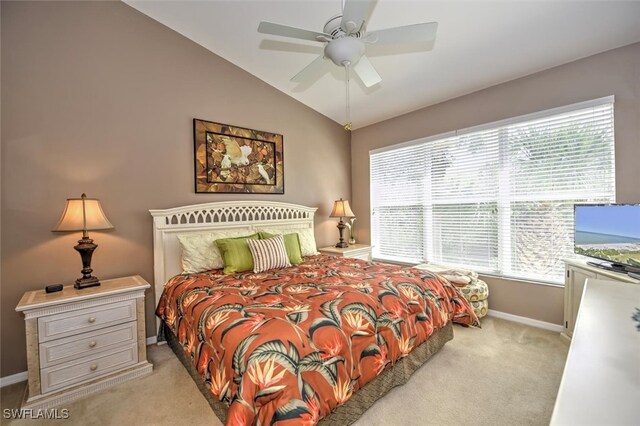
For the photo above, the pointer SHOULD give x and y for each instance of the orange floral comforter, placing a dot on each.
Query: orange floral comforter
(290, 345)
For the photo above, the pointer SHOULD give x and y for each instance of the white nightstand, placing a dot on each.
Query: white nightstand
(356, 251)
(83, 341)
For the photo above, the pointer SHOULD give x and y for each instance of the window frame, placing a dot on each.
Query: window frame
(503, 203)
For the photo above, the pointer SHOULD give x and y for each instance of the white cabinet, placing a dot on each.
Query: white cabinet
(82, 341)
(600, 380)
(576, 272)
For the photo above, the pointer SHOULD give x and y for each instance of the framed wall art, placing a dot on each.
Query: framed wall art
(230, 159)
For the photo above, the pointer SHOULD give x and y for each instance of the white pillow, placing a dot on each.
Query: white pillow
(307, 239)
(200, 252)
(269, 254)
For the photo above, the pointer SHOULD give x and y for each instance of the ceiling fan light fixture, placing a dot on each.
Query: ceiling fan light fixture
(345, 36)
(343, 49)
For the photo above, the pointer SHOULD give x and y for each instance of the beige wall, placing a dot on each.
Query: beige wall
(99, 98)
(616, 72)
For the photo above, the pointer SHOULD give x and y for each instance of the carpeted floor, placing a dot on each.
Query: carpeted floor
(503, 374)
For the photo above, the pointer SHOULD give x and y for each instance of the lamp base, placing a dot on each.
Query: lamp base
(86, 247)
(86, 282)
(342, 243)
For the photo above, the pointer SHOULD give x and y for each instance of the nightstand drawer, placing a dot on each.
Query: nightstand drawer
(67, 374)
(74, 347)
(75, 322)
(362, 256)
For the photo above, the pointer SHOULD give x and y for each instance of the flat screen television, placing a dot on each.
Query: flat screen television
(609, 232)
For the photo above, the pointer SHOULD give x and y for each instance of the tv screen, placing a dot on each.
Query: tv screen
(609, 232)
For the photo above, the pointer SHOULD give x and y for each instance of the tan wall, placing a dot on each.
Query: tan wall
(99, 98)
(616, 72)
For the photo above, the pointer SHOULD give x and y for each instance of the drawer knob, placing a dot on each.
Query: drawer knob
(92, 319)
(92, 344)
(94, 367)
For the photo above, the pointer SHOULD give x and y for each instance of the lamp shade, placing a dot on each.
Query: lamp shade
(82, 214)
(341, 208)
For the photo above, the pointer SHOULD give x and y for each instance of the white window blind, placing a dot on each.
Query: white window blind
(399, 212)
(498, 199)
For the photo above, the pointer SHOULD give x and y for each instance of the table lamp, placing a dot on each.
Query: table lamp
(84, 214)
(341, 209)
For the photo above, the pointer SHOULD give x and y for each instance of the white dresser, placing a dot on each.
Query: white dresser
(82, 341)
(356, 251)
(576, 272)
(601, 380)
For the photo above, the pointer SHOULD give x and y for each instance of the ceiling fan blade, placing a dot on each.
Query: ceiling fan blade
(354, 13)
(313, 71)
(417, 33)
(367, 72)
(287, 31)
(290, 46)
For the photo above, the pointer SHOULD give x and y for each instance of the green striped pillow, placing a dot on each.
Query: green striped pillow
(268, 254)
(291, 243)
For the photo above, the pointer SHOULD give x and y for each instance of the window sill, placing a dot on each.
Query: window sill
(395, 262)
(522, 280)
(482, 275)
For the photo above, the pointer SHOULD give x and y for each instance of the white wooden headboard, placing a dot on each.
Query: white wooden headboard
(240, 215)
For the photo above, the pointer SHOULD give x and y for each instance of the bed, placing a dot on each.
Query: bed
(315, 343)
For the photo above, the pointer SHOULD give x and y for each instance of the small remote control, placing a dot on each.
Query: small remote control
(634, 275)
(53, 288)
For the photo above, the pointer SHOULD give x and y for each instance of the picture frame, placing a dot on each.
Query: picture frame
(232, 159)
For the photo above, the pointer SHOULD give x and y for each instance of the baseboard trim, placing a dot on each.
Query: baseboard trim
(527, 321)
(24, 375)
(14, 378)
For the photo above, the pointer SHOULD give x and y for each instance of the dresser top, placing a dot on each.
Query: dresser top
(39, 298)
(618, 276)
(600, 380)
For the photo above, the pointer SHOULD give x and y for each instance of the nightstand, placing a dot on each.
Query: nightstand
(356, 251)
(82, 341)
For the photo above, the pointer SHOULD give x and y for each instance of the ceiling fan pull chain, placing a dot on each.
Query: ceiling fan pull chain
(347, 125)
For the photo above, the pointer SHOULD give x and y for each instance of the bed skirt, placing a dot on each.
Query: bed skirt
(361, 400)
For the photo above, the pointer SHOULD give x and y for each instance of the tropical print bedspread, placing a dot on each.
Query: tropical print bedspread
(290, 345)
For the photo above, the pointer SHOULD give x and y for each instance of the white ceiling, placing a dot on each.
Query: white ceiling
(479, 44)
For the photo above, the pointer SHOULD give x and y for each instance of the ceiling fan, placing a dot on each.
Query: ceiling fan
(346, 37)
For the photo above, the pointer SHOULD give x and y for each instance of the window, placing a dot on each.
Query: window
(496, 198)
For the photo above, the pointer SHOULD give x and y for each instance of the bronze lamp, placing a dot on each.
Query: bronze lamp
(341, 209)
(84, 214)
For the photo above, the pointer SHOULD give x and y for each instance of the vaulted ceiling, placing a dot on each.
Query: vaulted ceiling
(479, 44)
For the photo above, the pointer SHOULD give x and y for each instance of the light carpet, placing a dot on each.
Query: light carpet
(503, 374)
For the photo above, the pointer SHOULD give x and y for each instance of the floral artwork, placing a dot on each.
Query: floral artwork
(234, 159)
(287, 346)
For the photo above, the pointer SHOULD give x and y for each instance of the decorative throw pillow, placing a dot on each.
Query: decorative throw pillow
(268, 254)
(307, 239)
(200, 252)
(291, 243)
(236, 254)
